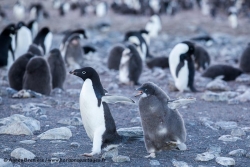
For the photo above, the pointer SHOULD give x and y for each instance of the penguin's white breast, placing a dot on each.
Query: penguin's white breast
(123, 69)
(181, 81)
(24, 40)
(92, 115)
(48, 42)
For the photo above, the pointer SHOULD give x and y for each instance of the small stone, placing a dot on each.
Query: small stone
(243, 97)
(5, 163)
(248, 155)
(76, 106)
(27, 141)
(10, 91)
(26, 94)
(57, 141)
(58, 154)
(229, 138)
(75, 121)
(226, 124)
(6, 150)
(56, 133)
(182, 147)
(1, 100)
(217, 85)
(74, 144)
(73, 92)
(225, 161)
(238, 132)
(131, 132)
(247, 129)
(21, 153)
(238, 153)
(121, 158)
(154, 163)
(135, 120)
(51, 101)
(110, 153)
(179, 163)
(215, 150)
(244, 78)
(43, 117)
(57, 91)
(206, 156)
(211, 96)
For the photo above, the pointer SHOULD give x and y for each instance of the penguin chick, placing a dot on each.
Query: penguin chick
(37, 76)
(228, 72)
(57, 68)
(34, 49)
(182, 66)
(17, 70)
(44, 40)
(201, 57)
(130, 66)
(158, 62)
(96, 117)
(115, 55)
(163, 127)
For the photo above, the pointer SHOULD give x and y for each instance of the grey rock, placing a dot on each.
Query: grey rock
(71, 127)
(179, 163)
(43, 117)
(27, 141)
(131, 132)
(51, 101)
(35, 112)
(225, 161)
(182, 147)
(121, 158)
(21, 153)
(238, 153)
(205, 121)
(238, 132)
(26, 94)
(6, 150)
(215, 150)
(57, 91)
(1, 100)
(73, 92)
(69, 104)
(248, 155)
(206, 156)
(211, 96)
(135, 120)
(110, 153)
(217, 85)
(75, 144)
(10, 92)
(226, 125)
(229, 138)
(57, 141)
(4, 163)
(58, 154)
(19, 124)
(56, 133)
(241, 88)
(244, 78)
(247, 129)
(241, 98)
(75, 121)
(76, 106)
(154, 163)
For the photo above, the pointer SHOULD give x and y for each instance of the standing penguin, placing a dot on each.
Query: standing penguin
(44, 40)
(154, 26)
(201, 57)
(23, 39)
(33, 26)
(96, 117)
(163, 126)
(101, 9)
(5, 42)
(57, 68)
(19, 10)
(37, 12)
(17, 70)
(245, 59)
(182, 66)
(130, 66)
(64, 8)
(115, 55)
(232, 17)
(73, 53)
(37, 76)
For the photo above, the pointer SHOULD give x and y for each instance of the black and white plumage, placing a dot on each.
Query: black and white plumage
(232, 17)
(17, 70)
(34, 49)
(57, 68)
(201, 57)
(153, 26)
(228, 72)
(37, 12)
(245, 60)
(182, 66)
(19, 10)
(130, 66)
(161, 62)
(96, 117)
(115, 55)
(7, 56)
(44, 40)
(33, 26)
(23, 33)
(88, 49)
(163, 126)
(37, 76)
(64, 8)
(2, 14)
(101, 9)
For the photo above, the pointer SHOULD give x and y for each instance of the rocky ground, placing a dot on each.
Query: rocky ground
(218, 128)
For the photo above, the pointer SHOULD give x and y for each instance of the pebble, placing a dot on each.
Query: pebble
(225, 161)
(21, 153)
(4, 163)
(241, 98)
(56, 133)
(121, 158)
(27, 141)
(75, 121)
(75, 144)
(26, 94)
(6, 150)
(135, 120)
(1, 100)
(57, 141)
(248, 155)
(110, 153)
(238, 153)
(179, 163)
(154, 163)
(206, 156)
(57, 91)
(73, 92)
(76, 106)
(226, 125)
(43, 117)
(51, 101)
(211, 96)
(215, 150)
(217, 85)
(58, 154)
(238, 132)
(244, 78)
(131, 132)
(229, 138)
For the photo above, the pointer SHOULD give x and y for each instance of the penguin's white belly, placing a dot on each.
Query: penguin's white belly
(233, 20)
(48, 42)
(24, 40)
(123, 70)
(19, 12)
(92, 115)
(181, 82)
(10, 60)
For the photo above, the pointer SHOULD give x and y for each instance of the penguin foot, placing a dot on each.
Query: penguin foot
(151, 155)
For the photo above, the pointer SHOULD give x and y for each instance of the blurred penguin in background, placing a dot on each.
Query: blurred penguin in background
(44, 40)
(115, 55)
(33, 26)
(101, 9)
(19, 10)
(37, 12)
(232, 17)
(154, 26)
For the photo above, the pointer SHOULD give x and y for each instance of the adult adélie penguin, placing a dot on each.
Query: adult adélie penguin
(96, 117)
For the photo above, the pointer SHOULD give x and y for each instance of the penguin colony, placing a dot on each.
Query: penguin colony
(34, 65)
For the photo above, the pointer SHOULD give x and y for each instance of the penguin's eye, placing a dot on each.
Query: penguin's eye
(83, 72)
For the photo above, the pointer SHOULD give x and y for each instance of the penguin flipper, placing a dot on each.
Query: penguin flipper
(174, 104)
(180, 65)
(116, 99)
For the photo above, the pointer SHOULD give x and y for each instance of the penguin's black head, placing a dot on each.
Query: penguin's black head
(11, 29)
(143, 31)
(55, 51)
(146, 89)
(19, 25)
(84, 73)
(191, 47)
(81, 32)
(45, 30)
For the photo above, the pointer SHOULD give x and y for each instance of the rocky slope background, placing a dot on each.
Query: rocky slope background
(50, 128)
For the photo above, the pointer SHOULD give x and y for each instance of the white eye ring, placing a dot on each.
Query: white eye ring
(83, 72)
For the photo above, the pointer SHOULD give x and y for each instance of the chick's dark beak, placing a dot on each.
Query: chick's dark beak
(139, 92)
(72, 72)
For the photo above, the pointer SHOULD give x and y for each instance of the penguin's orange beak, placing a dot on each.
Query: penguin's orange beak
(139, 93)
